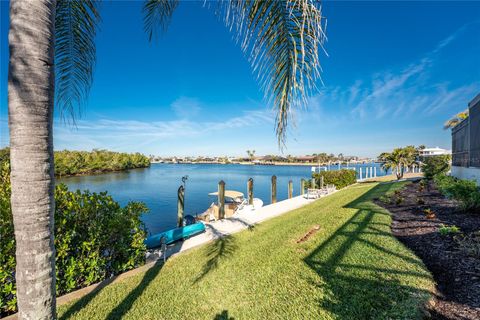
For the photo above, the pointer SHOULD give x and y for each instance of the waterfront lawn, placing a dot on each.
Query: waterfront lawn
(351, 268)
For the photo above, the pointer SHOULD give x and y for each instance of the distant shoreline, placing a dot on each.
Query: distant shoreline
(265, 164)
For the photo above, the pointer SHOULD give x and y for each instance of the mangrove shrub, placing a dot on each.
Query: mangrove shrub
(95, 238)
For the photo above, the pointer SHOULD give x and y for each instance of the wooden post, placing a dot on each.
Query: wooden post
(250, 190)
(360, 173)
(180, 206)
(221, 199)
(302, 187)
(313, 183)
(274, 189)
(290, 189)
(321, 182)
(374, 172)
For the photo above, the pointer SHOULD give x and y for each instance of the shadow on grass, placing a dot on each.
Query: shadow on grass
(82, 302)
(125, 305)
(223, 316)
(219, 250)
(363, 290)
(122, 308)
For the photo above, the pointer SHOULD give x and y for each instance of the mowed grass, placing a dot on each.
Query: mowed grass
(352, 268)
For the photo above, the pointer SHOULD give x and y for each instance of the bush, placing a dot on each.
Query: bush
(339, 178)
(95, 239)
(436, 165)
(464, 191)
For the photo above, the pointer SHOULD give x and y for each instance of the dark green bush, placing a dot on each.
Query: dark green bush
(436, 165)
(69, 163)
(464, 191)
(339, 178)
(97, 161)
(95, 238)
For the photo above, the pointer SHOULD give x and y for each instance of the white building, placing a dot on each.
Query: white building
(427, 152)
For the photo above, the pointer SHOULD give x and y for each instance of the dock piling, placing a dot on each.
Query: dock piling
(302, 187)
(250, 191)
(180, 205)
(290, 189)
(274, 189)
(321, 182)
(221, 199)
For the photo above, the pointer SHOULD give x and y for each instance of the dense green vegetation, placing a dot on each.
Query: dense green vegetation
(69, 163)
(465, 192)
(339, 178)
(351, 268)
(96, 161)
(436, 165)
(95, 238)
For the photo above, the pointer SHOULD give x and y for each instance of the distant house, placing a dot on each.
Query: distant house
(428, 152)
(306, 159)
(466, 144)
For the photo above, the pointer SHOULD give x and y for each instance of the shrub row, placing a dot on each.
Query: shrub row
(69, 163)
(97, 161)
(95, 238)
(339, 178)
(465, 192)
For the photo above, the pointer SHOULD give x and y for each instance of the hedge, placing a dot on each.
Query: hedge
(95, 238)
(339, 178)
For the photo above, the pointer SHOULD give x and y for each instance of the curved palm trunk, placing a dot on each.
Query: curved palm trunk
(30, 107)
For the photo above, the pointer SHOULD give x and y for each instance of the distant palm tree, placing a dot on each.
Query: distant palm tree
(52, 54)
(398, 160)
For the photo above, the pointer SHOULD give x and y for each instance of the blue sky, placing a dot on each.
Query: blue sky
(395, 72)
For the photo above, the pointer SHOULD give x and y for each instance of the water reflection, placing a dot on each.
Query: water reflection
(157, 186)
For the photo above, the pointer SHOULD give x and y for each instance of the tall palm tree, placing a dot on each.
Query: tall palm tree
(46, 38)
(52, 54)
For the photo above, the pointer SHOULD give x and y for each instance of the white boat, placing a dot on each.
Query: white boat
(235, 205)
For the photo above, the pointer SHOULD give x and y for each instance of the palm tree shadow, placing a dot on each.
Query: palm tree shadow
(362, 290)
(221, 249)
(223, 316)
(121, 309)
(82, 302)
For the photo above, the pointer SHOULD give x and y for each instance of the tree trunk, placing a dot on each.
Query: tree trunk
(30, 109)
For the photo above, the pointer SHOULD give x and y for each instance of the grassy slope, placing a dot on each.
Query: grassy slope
(352, 268)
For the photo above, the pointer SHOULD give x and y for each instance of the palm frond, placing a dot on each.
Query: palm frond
(157, 15)
(455, 120)
(75, 55)
(282, 40)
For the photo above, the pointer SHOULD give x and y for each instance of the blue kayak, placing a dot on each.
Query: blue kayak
(174, 235)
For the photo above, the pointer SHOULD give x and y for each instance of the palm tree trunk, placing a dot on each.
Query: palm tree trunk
(30, 107)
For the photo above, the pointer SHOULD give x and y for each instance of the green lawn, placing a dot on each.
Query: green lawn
(352, 268)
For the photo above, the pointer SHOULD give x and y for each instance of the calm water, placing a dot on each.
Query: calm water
(157, 186)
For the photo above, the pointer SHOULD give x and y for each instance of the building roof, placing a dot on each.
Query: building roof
(474, 101)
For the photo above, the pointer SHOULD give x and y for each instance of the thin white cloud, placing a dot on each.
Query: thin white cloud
(186, 107)
(132, 134)
(409, 92)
